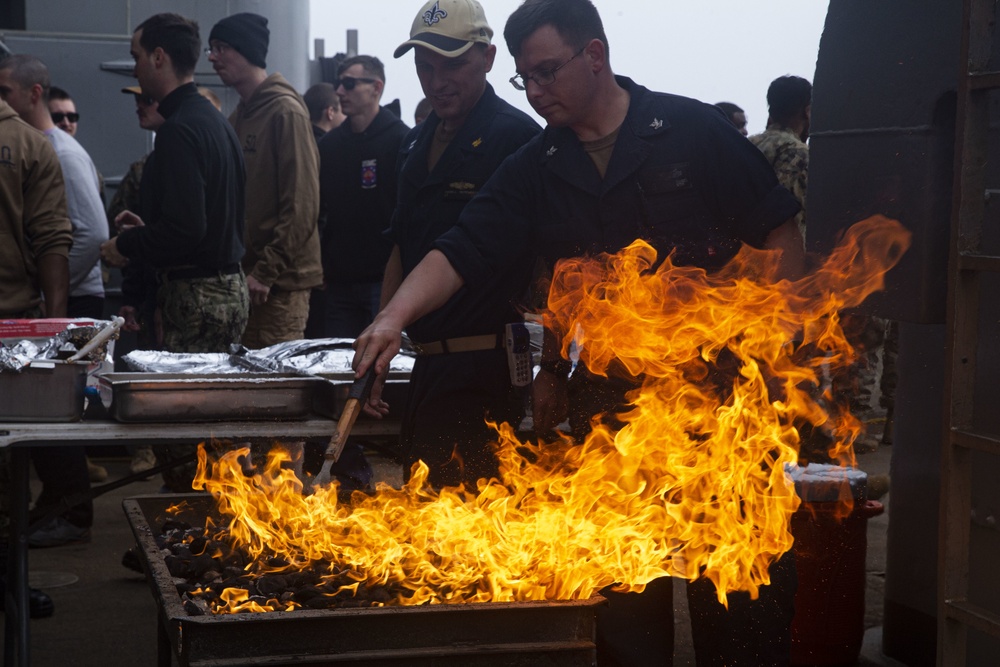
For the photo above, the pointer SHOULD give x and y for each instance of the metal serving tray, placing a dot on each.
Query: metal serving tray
(46, 391)
(191, 397)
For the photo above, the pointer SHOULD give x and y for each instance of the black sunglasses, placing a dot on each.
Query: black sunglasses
(348, 82)
(58, 116)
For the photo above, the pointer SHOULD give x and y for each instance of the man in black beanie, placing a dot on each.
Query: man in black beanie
(282, 262)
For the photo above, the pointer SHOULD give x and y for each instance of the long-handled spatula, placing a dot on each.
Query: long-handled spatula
(356, 398)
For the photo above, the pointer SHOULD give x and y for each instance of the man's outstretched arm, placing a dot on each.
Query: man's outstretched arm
(427, 288)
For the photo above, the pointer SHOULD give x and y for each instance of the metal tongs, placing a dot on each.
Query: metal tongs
(99, 338)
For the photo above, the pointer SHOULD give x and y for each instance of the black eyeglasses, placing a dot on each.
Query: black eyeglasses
(543, 77)
(216, 49)
(349, 82)
(59, 116)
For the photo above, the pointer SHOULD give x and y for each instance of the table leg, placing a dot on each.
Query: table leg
(17, 646)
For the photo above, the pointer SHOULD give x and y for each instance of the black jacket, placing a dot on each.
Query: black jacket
(431, 203)
(680, 177)
(194, 211)
(357, 186)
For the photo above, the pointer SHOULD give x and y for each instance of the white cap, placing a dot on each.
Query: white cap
(448, 27)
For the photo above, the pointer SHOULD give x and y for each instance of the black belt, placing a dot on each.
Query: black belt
(465, 344)
(191, 272)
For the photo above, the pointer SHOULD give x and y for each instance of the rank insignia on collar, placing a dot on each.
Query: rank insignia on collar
(552, 151)
(656, 124)
(477, 142)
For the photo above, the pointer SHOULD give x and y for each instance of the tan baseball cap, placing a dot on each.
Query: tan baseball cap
(448, 27)
(132, 90)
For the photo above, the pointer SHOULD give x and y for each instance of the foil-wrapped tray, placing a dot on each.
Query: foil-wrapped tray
(193, 397)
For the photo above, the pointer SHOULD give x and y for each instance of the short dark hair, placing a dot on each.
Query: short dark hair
(576, 21)
(319, 98)
(787, 97)
(27, 71)
(729, 108)
(177, 36)
(57, 93)
(370, 64)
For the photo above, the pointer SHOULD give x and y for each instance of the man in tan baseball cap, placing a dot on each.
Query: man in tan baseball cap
(448, 27)
(446, 160)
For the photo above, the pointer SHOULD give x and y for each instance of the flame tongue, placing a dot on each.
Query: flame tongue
(692, 485)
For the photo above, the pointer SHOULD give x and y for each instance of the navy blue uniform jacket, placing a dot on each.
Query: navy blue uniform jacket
(429, 204)
(680, 177)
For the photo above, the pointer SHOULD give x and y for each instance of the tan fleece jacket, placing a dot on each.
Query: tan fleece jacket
(33, 218)
(282, 238)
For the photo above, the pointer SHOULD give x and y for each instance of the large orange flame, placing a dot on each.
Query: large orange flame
(693, 485)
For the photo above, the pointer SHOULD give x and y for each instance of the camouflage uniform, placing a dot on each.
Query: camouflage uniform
(789, 157)
(127, 196)
(203, 314)
(199, 315)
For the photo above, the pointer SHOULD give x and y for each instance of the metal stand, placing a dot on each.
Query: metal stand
(19, 437)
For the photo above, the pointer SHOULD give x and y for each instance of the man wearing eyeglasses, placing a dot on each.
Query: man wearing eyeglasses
(617, 162)
(446, 160)
(282, 262)
(357, 195)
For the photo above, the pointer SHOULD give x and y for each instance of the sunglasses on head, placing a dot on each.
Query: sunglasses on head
(59, 116)
(349, 82)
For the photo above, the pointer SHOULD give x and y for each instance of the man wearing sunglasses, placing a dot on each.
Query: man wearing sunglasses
(282, 262)
(357, 195)
(617, 162)
(63, 110)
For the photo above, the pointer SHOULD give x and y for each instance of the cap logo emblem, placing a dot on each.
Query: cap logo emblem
(434, 15)
(656, 124)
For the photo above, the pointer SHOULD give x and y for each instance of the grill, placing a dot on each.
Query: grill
(511, 634)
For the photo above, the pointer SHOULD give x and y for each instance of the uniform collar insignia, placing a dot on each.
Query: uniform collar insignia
(477, 142)
(552, 151)
(656, 124)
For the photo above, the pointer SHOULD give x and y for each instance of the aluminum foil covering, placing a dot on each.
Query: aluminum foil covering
(15, 358)
(154, 361)
(822, 482)
(320, 355)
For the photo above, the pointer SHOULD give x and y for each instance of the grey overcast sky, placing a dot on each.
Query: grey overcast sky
(712, 50)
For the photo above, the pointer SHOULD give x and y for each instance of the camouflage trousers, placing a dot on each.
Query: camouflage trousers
(857, 385)
(199, 315)
(203, 314)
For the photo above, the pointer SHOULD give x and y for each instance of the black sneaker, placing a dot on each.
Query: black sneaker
(130, 559)
(40, 605)
(56, 533)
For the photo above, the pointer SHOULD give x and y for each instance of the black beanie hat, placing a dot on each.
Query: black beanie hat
(247, 33)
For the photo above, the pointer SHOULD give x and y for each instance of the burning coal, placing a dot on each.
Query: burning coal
(694, 484)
